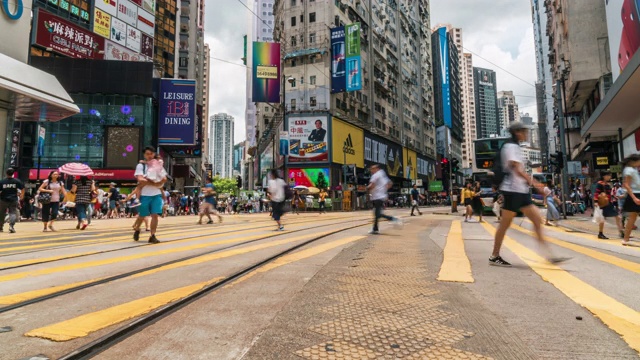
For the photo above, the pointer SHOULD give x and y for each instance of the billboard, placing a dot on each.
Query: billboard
(386, 153)
(118, 31)
(177, 121)
(108, 6)
(316, 177)
(146, 22)
(134, 38)
(66, 38)
(624, 32)
(101, 23)
(128, 12)
(426, 168)
(443, 43)
(347, 139)
(266, 72)
(410, 163)
(194, 151)
(146, 45)
(122, 146)
(113, 51)
(308, 139)
(338, 57)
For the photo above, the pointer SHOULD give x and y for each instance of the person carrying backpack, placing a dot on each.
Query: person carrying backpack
(514, 186)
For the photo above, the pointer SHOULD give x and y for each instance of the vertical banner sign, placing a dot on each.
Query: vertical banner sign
(42, 132)
(176, 112)
(353, 61)
(444, 75)
(15, 145)
(338, 57)
(284, 143)
(266, 72)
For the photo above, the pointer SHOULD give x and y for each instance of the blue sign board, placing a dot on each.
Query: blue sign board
(444, 76)
(17, 11)
(338, 60)
(177, 121)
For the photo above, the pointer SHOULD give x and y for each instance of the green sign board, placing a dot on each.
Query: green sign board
(353, 39)
(435, 186)
(616, 169)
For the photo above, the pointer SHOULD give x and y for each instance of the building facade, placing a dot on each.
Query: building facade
(165, 45)
(486, 101)
(222, 144)
(469, 113)
(508, 111)
(206, 81)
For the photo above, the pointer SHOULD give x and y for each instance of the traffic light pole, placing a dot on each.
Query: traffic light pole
(563, 145)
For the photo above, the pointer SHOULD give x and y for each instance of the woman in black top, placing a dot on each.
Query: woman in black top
(476, 202)
(83, 189)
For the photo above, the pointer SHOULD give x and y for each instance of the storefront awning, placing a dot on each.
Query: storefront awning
(620, 108)
(33, 94)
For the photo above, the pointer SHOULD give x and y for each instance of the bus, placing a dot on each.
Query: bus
(484, 152)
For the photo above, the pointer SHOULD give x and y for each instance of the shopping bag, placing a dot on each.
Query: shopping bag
(598, 217)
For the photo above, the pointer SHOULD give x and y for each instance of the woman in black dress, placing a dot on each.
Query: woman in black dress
(476, 202)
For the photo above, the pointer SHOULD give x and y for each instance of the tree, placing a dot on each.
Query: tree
(225, 186)
(321, 182)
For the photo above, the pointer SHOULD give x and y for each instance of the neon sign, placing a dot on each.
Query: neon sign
(17, 14)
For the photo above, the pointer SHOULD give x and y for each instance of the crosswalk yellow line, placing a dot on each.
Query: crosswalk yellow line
(617, 316)
(455, 263)
(85, 324)
(613, 260)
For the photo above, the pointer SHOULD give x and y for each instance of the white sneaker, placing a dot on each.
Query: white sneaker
(397, 222)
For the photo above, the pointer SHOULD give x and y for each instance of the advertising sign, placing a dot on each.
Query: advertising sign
(101, 23)
(308, 139)
(176, 112)
(601, 161)
(15, 145)
(410, 163)
(108, 6)
(118, 31)
(128, 12)
(284, 143)
(435, 186)
(146, 45)
(443, 42)
(134, 38)
(98, 174)
(266, 159)
(66, 38)
(624, 32)
(426, 168)
(122, 146)
(114, 51)
(353, 61)
(149, 5)
(146, 22)
(338, 58)
(42, 133)
(316, 177)
(347, 139)
(194, 151)
(387, 154)
(266, 72)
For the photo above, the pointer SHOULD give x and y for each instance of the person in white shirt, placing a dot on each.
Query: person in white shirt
(379, 185)
(631, 183)
(150, 198)
(515, 190)
(277, 197)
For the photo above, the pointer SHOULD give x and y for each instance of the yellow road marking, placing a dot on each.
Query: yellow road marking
(613, 260)
(589, 237)
(617, 316)
(85, 324)
(28, 295)
(455, 263)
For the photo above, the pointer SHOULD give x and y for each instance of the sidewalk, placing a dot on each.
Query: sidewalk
(584, 223)
(379, 300)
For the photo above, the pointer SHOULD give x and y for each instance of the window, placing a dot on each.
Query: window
(301, 19)
(264, 13)
(293, 63)
(293, 104)
(293, 21)
(312, 80)
(312, 38)
(264, 5)
(264, 30)
(270, 5)
(312, 17)
(293, 41)
(312, 101)
(293, 2)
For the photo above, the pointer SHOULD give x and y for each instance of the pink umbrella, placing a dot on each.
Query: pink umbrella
(76, 169)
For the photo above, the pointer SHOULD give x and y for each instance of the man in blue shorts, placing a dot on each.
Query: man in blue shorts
(150, 198)
(208, 206)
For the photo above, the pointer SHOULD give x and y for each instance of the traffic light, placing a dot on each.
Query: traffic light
(239, 181)
(455, 165)
(557, 160)
(444, 162)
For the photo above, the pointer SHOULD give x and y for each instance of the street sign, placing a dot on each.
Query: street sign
(435, 186)
(616, 169)
(574, 168)
(417, 182)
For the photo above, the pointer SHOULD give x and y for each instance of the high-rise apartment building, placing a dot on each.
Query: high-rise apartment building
(221, 138)
(395, 103)
(508, 111)
(469, 116)
(487, 123)
(206, 81)
(165, 47)
(448, 89)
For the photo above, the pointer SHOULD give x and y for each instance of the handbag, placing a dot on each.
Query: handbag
(45, 197)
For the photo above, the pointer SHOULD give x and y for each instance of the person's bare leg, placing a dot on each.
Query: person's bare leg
(136, 225)
(532, 214)
(154, 224)
(146, 223)
(601, 228)
(505, 222)
(631, 219)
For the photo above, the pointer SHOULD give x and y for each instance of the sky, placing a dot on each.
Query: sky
(498, 33)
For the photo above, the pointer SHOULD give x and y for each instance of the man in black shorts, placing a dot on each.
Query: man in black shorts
(11, 191)
(610, 210)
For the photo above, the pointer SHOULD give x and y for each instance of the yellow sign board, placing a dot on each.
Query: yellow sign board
(266, 72)
(347, 139)
(101, 23)
(602, 160)
(410, 163)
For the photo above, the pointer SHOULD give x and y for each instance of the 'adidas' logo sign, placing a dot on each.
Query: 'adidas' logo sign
(348, 146)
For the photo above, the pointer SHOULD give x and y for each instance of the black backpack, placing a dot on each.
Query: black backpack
(288, 193)
(498, 171)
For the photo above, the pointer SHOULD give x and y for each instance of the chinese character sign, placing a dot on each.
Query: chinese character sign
(101, 23)
(176, 112)
(308, 139)
(66, 38)
(266, 72)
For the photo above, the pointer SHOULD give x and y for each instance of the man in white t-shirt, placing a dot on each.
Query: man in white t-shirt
(515, 190)
(150, 198)
(379, 184)
(277, 197)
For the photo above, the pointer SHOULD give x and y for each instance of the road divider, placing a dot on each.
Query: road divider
(455, 263)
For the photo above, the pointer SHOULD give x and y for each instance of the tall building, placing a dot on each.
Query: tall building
(394, 106)
(222, 144)
(206, 82)
(484, 82)
(165, 46)
(544, 85)
(238, 158)
(508, 111)
(469, 114)
(447, 104)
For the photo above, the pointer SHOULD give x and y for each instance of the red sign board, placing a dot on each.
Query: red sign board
(98, 174)
(66, 38)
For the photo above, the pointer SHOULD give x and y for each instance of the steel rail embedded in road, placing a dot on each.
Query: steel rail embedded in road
(138, 271)
(103, 343)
